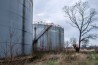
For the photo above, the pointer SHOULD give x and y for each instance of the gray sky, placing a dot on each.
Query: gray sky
(51, 11)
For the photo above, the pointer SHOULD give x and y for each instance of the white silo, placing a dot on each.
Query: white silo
(16, 27)
(51, 40)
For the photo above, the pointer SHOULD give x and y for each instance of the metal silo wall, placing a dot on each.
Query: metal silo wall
(52, 40)
(11, 26)
(62, 38)
(28, 27)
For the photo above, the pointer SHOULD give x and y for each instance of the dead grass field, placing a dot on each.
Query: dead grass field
(61, 58)
(67, 59)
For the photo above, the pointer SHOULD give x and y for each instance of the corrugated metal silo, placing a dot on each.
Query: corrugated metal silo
(16, 27)
(52, 40)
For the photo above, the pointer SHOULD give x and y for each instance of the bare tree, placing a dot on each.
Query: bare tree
(85, 43)
(82, 18)
(73, 41)
(10, 47)
(66, 44)
(11, 44)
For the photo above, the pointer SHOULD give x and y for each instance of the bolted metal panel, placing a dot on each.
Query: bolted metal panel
(16, 27)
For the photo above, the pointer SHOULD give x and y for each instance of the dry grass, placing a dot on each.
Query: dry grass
(67, 59)
(63, 58)
(16, 60)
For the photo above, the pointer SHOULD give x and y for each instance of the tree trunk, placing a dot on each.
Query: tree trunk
(79, 40)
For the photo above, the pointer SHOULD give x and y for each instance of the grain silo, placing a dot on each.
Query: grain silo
(16, 27)
(51, 40)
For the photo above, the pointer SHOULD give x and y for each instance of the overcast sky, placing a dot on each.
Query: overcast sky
(51, 11)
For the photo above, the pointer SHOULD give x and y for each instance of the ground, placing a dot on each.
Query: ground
(61, 58)
(67, 59)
